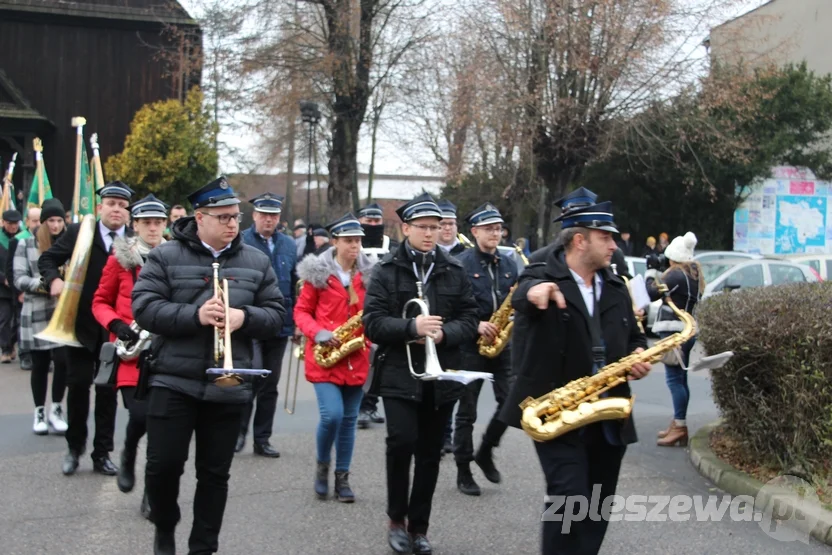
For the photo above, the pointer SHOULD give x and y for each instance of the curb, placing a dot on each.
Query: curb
(818, 521)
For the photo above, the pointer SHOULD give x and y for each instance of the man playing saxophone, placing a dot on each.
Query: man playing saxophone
(416, 410)
(328, 313)
(492, 274)
(177, 299)
(577, 316)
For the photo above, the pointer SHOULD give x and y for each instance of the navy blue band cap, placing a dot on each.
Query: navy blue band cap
(485, 214)
(596, 216)
(579, 198)
(371, 211)
(447, 209)
(268, 203)
(213, 195)
(423, 206)
(346, 226)
(116, 189)
(149, 207)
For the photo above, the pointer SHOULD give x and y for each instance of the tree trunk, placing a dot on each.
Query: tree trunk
(371, 176)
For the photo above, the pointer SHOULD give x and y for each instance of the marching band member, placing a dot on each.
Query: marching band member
(374, 244)
(449, 234)
(82, 361)
(492, 275)
(577, 317)
(36, 312)
(280, 249)
(112, 308)
(333, 292)
(416, 410)
(174, 298)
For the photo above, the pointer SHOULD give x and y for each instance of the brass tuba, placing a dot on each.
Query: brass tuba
(131, 351)
(61, 328)
(579, 402)
(504, 320)
(327, 356)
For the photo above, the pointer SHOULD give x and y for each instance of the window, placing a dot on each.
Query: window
(749, 276)
(639, 267)
(780, 274)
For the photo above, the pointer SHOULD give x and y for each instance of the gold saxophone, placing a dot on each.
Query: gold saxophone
(327, 356)
(578, 403)
(504, 320)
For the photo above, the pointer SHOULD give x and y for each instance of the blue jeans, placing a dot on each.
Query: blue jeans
(338, 406)
(677, 380)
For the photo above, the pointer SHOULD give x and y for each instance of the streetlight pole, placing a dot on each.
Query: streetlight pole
(312, 115)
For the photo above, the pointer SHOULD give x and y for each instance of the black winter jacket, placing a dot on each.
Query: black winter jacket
(556, 346)
(177, 280)
(448, 294)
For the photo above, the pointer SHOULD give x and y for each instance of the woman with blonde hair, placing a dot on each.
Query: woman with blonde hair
(38, 307)
(685, 281)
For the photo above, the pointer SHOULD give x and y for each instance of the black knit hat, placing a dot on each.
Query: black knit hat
(50, 208)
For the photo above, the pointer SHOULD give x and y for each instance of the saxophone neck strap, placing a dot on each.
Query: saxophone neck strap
(598, 349)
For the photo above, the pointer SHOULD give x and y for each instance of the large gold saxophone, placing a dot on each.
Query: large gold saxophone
(327, 356)
(504, 321)
(579, 402)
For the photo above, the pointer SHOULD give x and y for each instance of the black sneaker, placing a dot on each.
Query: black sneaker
(465, 481)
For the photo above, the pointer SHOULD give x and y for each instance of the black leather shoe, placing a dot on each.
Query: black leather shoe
(266, 450)
(164, 543)
(399, 539)
(363, 420)
(127, 471)
(103, 465)
(485, 460)
(145, 508)
(465, 481)
(241, 442)
(421, 545)
(70, 463)
(375, 417)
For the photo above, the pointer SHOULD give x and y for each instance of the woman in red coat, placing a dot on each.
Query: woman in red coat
(111, 307)
(333, 292)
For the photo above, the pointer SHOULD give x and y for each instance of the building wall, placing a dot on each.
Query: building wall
(781, 31)
(103, 70)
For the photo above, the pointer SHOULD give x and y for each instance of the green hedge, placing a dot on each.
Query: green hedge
(775, 394)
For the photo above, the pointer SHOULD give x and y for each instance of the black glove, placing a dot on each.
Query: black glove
(123, 331)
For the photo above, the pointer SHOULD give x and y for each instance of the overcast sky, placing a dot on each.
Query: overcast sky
(390, 157)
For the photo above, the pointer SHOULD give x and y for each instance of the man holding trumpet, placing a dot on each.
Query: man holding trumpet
(178, 298)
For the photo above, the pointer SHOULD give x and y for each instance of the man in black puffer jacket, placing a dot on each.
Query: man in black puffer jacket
(174, 299)
(416, 410)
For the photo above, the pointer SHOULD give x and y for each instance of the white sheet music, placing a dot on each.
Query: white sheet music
(463, 376)
(638, 289)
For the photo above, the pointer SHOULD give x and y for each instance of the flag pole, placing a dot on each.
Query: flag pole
(7, 185)
(99, 173)
(38, 146)
(79, 123)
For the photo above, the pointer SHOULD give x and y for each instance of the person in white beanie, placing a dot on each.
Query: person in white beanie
(684, 278)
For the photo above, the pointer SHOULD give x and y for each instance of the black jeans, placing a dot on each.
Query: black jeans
(466, 414)
(369, 403)
(8, 333)
(572, 465)
(413, 430)
(137, 422)
(81, 366)
(268, 355)
(39, 379)
(172, 418)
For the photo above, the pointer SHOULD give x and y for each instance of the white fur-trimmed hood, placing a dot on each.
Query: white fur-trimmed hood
(317, 269)
(127, 253)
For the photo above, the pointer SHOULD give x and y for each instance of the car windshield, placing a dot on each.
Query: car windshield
(714, 268)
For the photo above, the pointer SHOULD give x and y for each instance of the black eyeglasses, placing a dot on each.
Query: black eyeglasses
(225, 219)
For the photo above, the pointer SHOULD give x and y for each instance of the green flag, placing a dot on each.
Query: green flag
(86, 198)
(34, 191)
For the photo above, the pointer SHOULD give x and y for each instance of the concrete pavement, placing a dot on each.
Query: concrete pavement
(272, 509)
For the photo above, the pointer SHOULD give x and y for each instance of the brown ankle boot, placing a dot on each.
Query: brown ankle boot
(676, 434)
(666, 431)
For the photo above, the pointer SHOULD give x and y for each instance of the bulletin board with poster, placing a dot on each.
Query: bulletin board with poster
(785, 214)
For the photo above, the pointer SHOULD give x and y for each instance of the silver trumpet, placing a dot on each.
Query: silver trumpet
(433, 370)
(132, 350)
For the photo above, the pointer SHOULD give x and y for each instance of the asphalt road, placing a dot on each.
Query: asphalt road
(272, 508)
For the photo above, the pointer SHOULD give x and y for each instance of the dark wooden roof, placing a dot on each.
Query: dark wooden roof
(16, 112)
(139, 12)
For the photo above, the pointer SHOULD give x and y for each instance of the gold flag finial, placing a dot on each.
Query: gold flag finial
(79, 121)
(38, 144)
